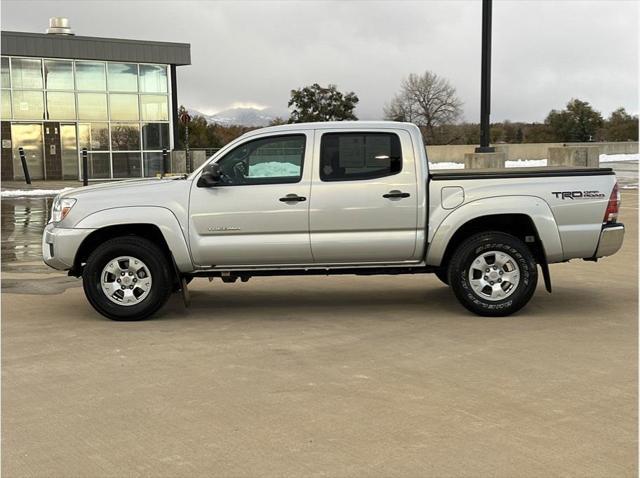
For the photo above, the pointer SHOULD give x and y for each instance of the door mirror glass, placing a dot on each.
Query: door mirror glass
(211, 176)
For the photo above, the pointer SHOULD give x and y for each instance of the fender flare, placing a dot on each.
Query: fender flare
(161, 217)
(532, 206)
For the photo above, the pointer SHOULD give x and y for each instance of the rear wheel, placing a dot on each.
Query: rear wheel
(493, 274)
(127, 278)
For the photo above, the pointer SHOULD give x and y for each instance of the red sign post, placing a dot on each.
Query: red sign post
(185, 119)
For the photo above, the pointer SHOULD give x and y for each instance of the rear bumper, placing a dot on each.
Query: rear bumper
(60, 245)
(611, 239)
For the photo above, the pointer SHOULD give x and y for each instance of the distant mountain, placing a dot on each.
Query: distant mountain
(241, 116)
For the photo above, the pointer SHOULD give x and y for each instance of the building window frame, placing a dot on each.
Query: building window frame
(107, 92)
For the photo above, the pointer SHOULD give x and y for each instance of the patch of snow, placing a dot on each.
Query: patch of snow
(518, 163)
(611, 158)
(526, 163)
(446, 165)
(273, 168)
(538, 163)
(15, 193)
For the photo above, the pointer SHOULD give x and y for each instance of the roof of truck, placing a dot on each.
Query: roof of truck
(335, 125)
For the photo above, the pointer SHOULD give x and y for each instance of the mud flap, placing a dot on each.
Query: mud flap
(547, 276)
(184, 291)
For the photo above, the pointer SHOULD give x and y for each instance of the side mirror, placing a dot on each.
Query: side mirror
(211, 176)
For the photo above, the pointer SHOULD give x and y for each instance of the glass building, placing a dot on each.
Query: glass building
(62, 93)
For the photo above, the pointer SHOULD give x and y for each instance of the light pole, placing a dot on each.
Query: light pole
(485, 82)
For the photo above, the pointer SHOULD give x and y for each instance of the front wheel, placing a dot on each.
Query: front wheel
(127, 278)
(493, 274)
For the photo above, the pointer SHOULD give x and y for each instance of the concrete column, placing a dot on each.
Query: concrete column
(178, 161)
(575, 156)
(198, 157)
(485, 160)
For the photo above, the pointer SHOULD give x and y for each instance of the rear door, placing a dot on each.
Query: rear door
(364, 201)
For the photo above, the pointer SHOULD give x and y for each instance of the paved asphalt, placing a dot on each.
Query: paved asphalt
(344, 376)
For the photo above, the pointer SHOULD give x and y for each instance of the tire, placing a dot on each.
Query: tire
(110, 268)
(443, 275)
(505, 286)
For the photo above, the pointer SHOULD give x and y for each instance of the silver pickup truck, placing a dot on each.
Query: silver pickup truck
(331, 198)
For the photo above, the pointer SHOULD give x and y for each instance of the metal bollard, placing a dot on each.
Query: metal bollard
(25, 168)
(165, 162)
(85, 167)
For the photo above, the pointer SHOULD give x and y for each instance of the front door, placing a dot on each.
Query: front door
(28, 137)
(259, 213)
(364, 198)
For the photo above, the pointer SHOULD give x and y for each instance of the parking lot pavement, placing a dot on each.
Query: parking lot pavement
(339, 376)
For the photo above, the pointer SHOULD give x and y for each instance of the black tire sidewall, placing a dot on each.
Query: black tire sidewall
(470, 250)
(141, 249)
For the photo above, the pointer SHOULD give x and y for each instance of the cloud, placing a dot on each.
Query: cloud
(544, 53)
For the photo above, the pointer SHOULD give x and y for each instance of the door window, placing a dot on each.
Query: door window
(273, 160)
(359, 156)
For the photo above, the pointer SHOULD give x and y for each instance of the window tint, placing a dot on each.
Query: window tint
(99, 165)
(123, 76)
(153, 164)
(94, 136)
(124, 107)
(58, 75)
(26, 73)
(125, 136)
(265, 161)
(92, 106)
(90, 76)
(154, 107)
(127, 165)
(6, 104)
(4, 68)
(61, 105)
(359, 156)
(28, 105)
(155, 135)
(153, 78)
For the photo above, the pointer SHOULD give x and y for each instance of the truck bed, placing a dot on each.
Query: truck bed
(448, 174)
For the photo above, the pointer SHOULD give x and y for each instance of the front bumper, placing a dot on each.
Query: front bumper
(60, 245)
(611, 239)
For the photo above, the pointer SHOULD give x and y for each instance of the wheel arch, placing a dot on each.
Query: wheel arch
(520, 216)
(159, 225)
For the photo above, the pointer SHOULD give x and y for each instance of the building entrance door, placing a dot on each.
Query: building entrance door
(52, 161)
(29, 137)
(69, 151)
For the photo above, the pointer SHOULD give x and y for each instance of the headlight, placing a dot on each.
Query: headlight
(60, 209)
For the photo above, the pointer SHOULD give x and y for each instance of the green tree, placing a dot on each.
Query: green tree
(621, 126)
(577, 122)
(315, 103)
(201, 133)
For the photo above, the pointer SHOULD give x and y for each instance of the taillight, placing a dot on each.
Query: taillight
(611, 214)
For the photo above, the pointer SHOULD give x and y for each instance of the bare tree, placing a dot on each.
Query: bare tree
(427, 100)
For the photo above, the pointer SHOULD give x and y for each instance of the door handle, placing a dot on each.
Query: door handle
(396, 194)
(292, 198)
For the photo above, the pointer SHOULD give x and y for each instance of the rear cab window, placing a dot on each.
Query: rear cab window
(359, 156)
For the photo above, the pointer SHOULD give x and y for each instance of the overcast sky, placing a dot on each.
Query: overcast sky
(254, 53)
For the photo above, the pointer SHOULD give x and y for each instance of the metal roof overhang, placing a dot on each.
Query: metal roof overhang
(94, 48)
